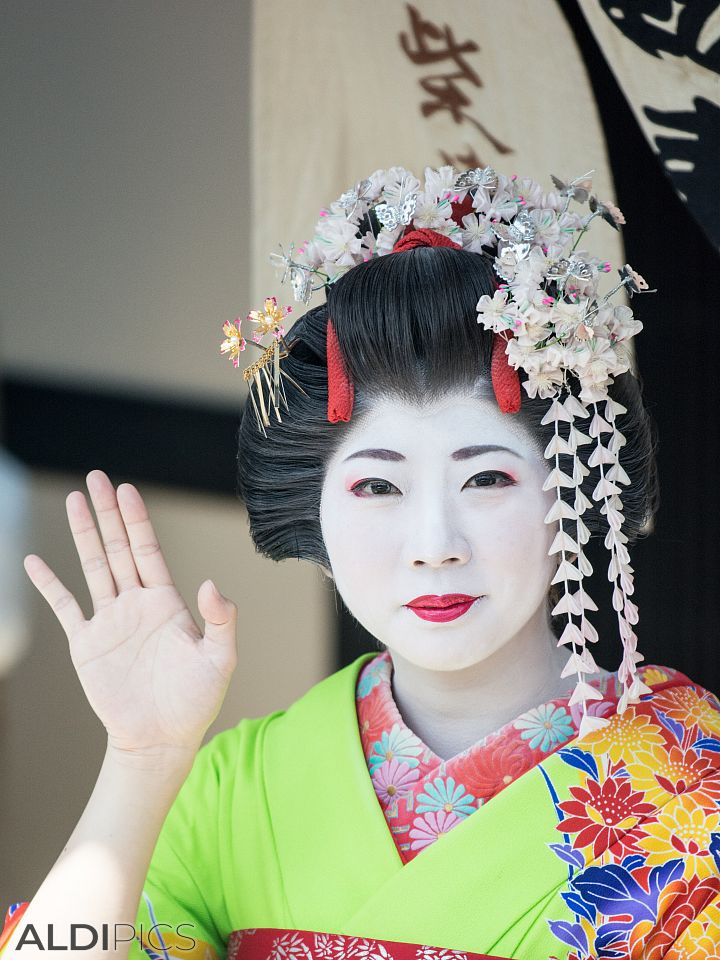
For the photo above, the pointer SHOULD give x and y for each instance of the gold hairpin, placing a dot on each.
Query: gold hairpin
(265, 373)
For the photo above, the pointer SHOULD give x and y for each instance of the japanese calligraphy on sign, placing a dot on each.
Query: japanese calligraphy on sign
(674, 91)
(449, 79)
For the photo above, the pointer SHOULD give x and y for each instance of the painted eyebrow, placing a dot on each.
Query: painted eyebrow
(465, 453)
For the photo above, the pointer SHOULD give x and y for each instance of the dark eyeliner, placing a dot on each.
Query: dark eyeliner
(506, 480)
(357, 488)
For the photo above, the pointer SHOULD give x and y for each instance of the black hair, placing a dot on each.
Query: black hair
(407, 326)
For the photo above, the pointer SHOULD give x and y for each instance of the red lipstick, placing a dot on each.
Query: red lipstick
(440, 609)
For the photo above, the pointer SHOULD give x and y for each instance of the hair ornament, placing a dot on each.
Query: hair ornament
(505, 380)
(550, 320)
(578, 189)
(264, 375)
(341, 393)
(300, 275)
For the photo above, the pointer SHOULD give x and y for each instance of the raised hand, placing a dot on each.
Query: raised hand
(153, 678)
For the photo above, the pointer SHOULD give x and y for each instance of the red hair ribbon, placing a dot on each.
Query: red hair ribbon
(505, 380)
(423, 238)
(340, 387)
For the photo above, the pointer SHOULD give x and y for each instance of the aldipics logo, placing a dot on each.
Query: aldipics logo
(84, 936)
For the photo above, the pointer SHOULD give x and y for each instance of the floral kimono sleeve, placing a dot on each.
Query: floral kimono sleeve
(13, 916)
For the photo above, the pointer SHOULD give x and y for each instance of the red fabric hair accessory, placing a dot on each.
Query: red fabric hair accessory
(423, 238)
(340, 388)
(505, 379)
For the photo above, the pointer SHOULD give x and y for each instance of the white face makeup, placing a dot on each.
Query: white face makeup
(438, 501)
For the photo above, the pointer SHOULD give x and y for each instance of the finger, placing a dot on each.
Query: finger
(112, 528)
(220, 615)
(63, 603)
(149, 559)
(93, 560)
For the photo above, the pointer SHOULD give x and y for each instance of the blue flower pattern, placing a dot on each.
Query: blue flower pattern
(545, 726)
(444, 794)
(400, 744)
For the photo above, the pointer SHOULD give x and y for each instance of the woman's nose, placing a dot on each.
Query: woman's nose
(434, 537)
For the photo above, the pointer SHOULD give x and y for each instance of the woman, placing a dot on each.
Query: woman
(480, 787)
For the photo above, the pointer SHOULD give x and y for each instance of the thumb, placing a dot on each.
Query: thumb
(219, 613)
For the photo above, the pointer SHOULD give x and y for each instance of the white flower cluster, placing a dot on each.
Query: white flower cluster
(345, 236)
(547, 305)
(551, 338)
(396, 197)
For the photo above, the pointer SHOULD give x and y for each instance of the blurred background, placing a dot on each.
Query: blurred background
(155, 153)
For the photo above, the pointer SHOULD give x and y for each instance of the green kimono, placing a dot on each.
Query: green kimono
(278, 826)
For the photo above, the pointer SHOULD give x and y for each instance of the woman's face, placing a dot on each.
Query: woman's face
(423, 503)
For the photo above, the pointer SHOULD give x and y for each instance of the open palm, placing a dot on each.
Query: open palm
(154, 679)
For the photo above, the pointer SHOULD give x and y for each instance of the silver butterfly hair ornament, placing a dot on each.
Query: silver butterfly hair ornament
(552, 322)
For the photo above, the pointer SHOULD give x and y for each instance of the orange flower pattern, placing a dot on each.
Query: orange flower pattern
(641, 832)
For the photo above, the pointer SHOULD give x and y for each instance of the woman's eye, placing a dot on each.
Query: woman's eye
(490, 478)
(374, 488)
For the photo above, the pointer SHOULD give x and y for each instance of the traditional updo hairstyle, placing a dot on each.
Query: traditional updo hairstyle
(406, 325)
